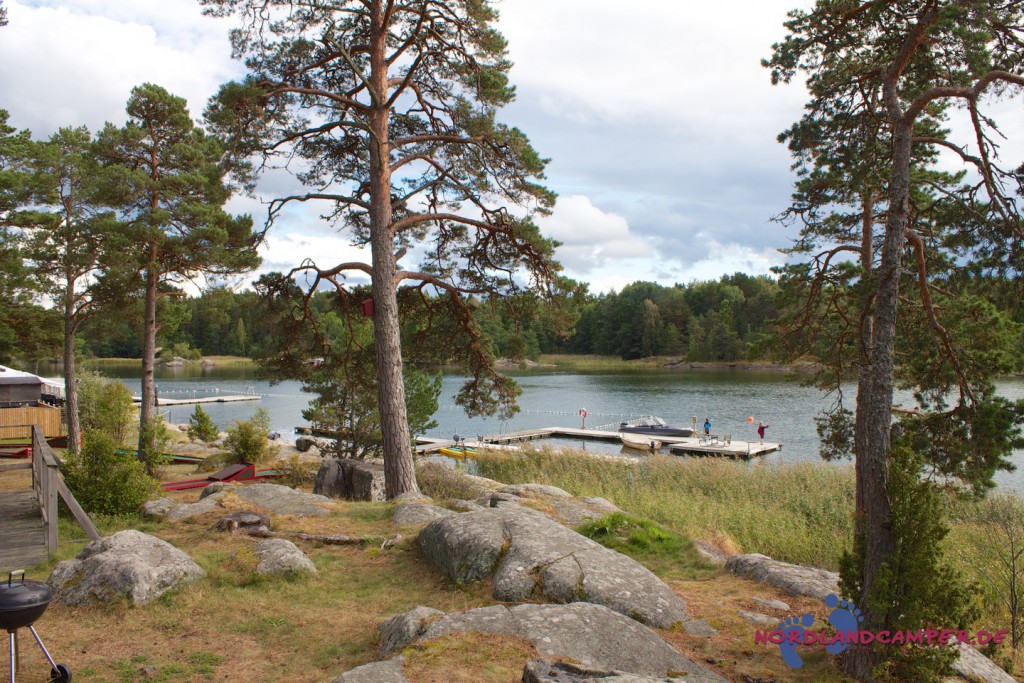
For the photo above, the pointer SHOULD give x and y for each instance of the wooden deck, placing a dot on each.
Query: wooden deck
(700, 446)
(22, 533)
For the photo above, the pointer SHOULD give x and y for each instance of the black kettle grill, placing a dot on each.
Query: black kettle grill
(21, 603)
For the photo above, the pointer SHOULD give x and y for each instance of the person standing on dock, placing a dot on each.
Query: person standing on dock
(761, 426)
(707, 426)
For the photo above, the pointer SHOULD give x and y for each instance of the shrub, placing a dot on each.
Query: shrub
(201, 426)
(156, 434)
(105, 481)
(247, 439)
(105, 406)
(296, 473)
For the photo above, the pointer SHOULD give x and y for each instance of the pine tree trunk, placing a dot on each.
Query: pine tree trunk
(147, 409)
(70, 374)
(399, 470)
(874, 403)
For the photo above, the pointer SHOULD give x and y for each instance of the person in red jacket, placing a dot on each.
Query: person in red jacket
(761, 426)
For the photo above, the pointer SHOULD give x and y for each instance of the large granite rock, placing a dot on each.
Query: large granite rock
(189, 510)
(278, 556)
(350, 479)
(591, 635)
(409, 514)
(389, 671)
(792, 578)
(557, 503)
(129, 565)
(977, 668)
(157, 507)
(283, 500)
(547, 671)
(532, 556)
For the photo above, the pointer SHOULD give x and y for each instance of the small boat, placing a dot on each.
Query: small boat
(654, 426)
(458, 452)
(639, 442)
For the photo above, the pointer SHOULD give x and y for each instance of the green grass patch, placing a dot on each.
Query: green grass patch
(667, 553)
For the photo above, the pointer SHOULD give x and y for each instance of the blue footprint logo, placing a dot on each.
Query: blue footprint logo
(787, 648)
(845, 618)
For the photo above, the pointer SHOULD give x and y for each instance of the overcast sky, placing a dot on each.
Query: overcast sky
(657, 116)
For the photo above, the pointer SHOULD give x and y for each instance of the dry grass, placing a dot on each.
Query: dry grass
(234, 625)
(733, 652)
(468, 658)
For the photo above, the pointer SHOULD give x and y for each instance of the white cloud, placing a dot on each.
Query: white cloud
(76, 63)
(591, 237)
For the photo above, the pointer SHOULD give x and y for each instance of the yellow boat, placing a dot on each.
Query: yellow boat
(458, 452)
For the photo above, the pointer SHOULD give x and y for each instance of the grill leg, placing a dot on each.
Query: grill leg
(43, 648)
(14, 648)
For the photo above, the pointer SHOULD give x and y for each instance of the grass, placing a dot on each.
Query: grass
(668, 554)
(798, 513)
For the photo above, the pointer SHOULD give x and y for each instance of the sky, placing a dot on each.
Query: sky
(658, 119)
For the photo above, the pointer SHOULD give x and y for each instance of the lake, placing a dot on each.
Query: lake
(553, 398)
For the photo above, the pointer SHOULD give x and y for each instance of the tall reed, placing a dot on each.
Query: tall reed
(800, 513)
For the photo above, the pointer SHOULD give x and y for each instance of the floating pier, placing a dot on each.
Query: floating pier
(695, 445)
(204, 399)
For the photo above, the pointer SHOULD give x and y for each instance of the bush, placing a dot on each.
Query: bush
(105, 481)
(105, 406)
(201, 426)
(296, 473)
(247, 439)
(158, 437)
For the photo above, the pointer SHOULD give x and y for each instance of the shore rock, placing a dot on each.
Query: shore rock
(157, 507)
(128, 565)
(792, 578)
(530, 555)
(278, 556)
(592, 635)
(547, 671)
(283, 500)
(350, 480)
(389, 671)
(977, 668)
(409, 514)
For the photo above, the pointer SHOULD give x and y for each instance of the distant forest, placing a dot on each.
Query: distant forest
(712, 321)
(703, 321)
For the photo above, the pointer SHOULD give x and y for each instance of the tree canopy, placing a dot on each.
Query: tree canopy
(887, 241)
(387, 114)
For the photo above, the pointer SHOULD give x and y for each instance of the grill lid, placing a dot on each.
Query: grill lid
(18, 593)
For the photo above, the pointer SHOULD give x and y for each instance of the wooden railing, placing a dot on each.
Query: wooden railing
(48, 484)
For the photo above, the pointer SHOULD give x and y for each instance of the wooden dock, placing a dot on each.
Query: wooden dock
(204, 399)
(715, 446)
(22, 532)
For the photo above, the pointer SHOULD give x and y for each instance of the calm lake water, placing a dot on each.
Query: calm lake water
(552, 398)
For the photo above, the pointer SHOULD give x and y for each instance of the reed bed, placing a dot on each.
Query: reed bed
(800, 513)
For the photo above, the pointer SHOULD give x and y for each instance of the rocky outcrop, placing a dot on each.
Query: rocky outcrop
(157, 507)
(389, 671)
(410, 514)
(591, 635)
(792, 578)
(244, 521)
(530, 555)
(278, 556)
(556, 502)
(283, 500)
(547, 671)
(977, 668)
(350, 480)
(216, 487)
(129, 565)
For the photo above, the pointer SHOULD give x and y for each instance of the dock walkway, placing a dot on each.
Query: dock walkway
(204, 399)
(718, 447)
(22, 533)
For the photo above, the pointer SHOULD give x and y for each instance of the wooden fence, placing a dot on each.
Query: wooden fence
(13, 422)
(48, 484)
